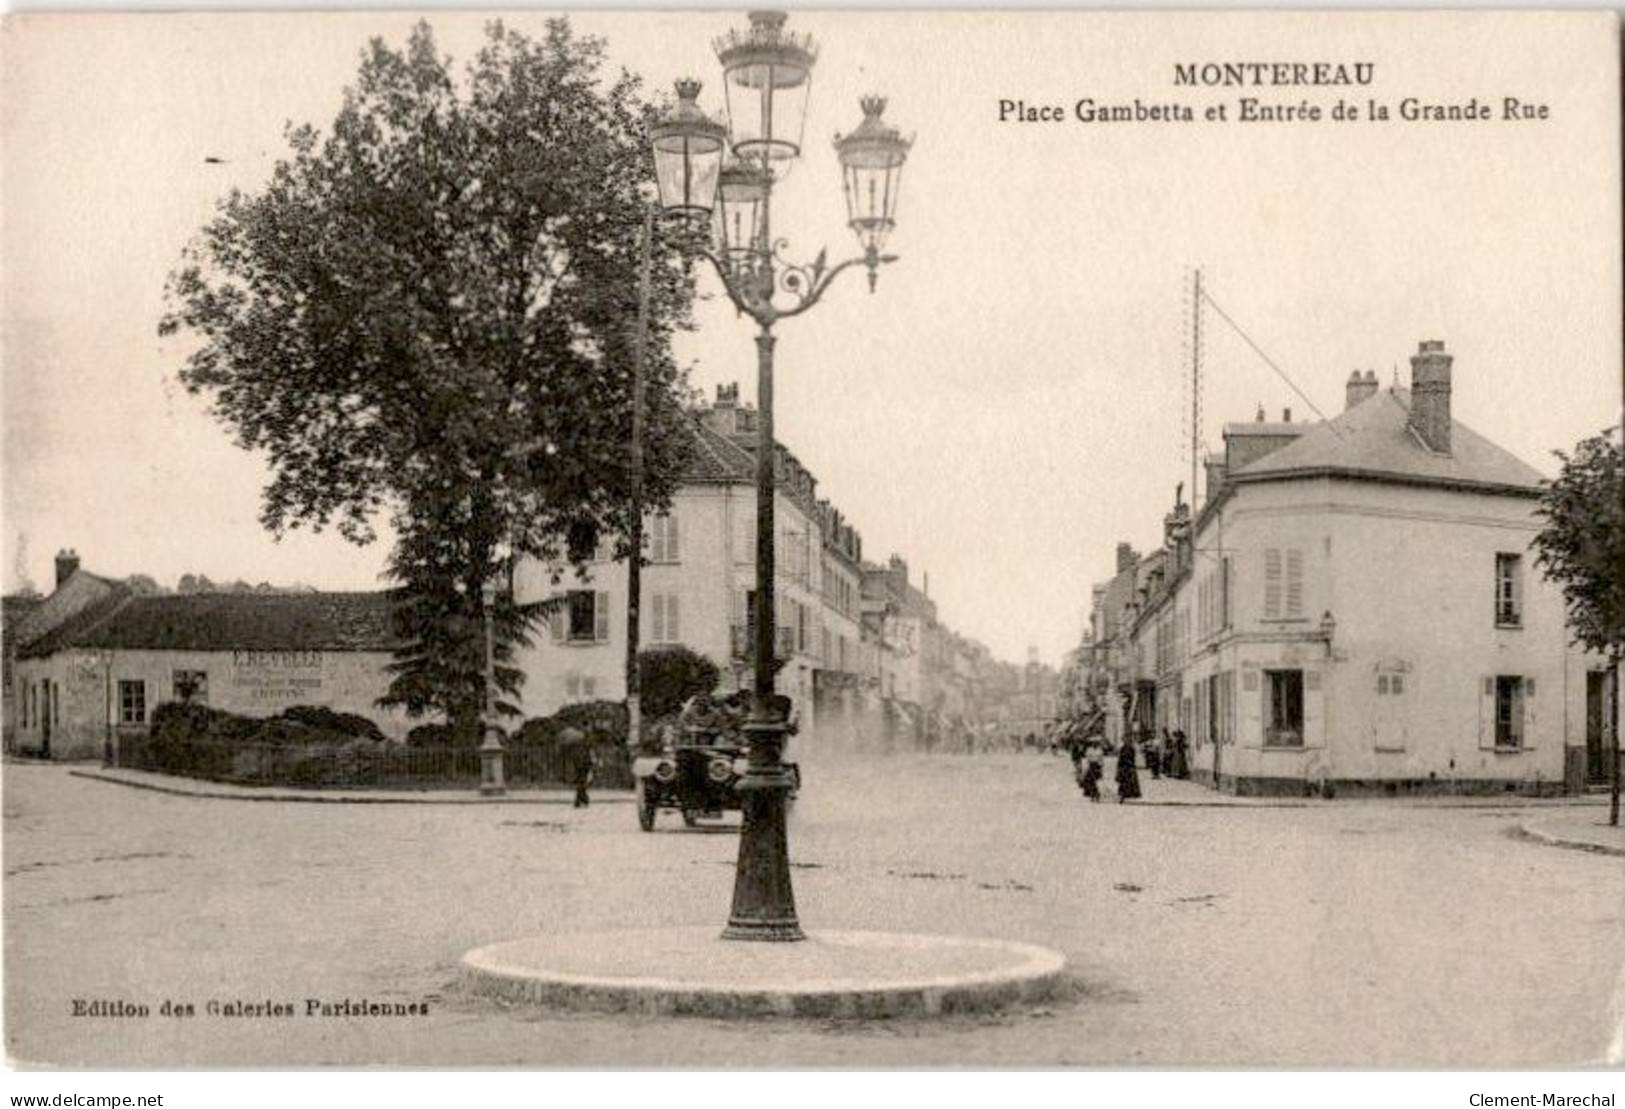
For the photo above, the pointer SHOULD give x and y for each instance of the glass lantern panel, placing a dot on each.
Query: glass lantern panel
(686, 171)
(767, 107)
(871, 201)
(740, 218)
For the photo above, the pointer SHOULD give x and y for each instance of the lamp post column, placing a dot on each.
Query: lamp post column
(764, 905)
(491, 776)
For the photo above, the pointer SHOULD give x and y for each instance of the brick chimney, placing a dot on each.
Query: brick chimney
(1360, 388)
(728, 395)
(1126, 557)
(67, 564)
(1430, 395)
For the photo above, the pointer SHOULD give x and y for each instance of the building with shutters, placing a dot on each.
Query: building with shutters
(1355, 607)
(866, 660)
(699, 584)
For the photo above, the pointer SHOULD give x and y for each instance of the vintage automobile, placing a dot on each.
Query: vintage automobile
(697, 772)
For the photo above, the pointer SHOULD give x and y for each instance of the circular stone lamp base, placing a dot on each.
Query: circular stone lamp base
(829, 974)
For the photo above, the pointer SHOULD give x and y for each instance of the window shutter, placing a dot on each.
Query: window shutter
(1486, 713)
(671, 539)
(1294, 582)
(1272, 583)
(1224, 593)
(555, 622)
(658, 619)
(673, 634)
(601, 615)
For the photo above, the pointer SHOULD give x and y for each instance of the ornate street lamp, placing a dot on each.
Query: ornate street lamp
(688, 155)
(871, 173)
(767, 73)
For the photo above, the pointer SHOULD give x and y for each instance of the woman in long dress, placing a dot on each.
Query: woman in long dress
(1128, 777)
(1093, 768)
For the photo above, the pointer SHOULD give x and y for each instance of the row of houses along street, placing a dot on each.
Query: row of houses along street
(1352, 607)
(867, 658)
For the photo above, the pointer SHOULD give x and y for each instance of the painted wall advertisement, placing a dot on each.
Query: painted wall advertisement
(277, 677)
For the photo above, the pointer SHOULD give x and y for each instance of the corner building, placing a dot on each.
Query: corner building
(1365, 614)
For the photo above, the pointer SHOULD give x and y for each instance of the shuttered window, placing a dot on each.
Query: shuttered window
(1283, 583)
(583, 618)
(1272, 583)
(665, 623)
(663, 539)
(1509, 695)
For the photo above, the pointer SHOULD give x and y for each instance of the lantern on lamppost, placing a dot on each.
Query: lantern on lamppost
(688, 155)
(767, 73)
(742, 189)
(766, 76)
(872, 157)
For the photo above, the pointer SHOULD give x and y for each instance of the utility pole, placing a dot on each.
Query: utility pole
(1196, 381)
(634, 564)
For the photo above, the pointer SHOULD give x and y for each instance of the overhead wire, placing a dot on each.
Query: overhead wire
(1270, 362)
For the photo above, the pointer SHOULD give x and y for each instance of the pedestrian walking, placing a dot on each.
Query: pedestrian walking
(1155, 749)
(1128, 776)
(583, 762)
(1093, 765)
(1180, 756)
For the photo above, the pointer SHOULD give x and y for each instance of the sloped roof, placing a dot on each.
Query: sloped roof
(720, 459)
(716, 458)
(1260, 427)
(79, 624)
(228, 621)
(1373, 440)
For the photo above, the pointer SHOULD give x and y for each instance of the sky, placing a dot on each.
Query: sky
(1015, 397)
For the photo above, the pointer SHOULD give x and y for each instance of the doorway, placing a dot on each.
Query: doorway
(1602, 716)
(46, 718)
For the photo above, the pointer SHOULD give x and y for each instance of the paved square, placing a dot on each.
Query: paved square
(1362, 933)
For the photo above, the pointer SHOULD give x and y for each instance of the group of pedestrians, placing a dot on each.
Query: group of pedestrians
(1164, 754)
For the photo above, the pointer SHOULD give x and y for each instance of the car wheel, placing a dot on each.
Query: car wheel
(646, 807)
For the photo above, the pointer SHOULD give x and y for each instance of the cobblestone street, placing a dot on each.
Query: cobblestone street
(1386, 933)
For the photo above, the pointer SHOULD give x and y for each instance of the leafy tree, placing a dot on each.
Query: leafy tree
(426, 315)
(668, 676)
(1582, 548)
